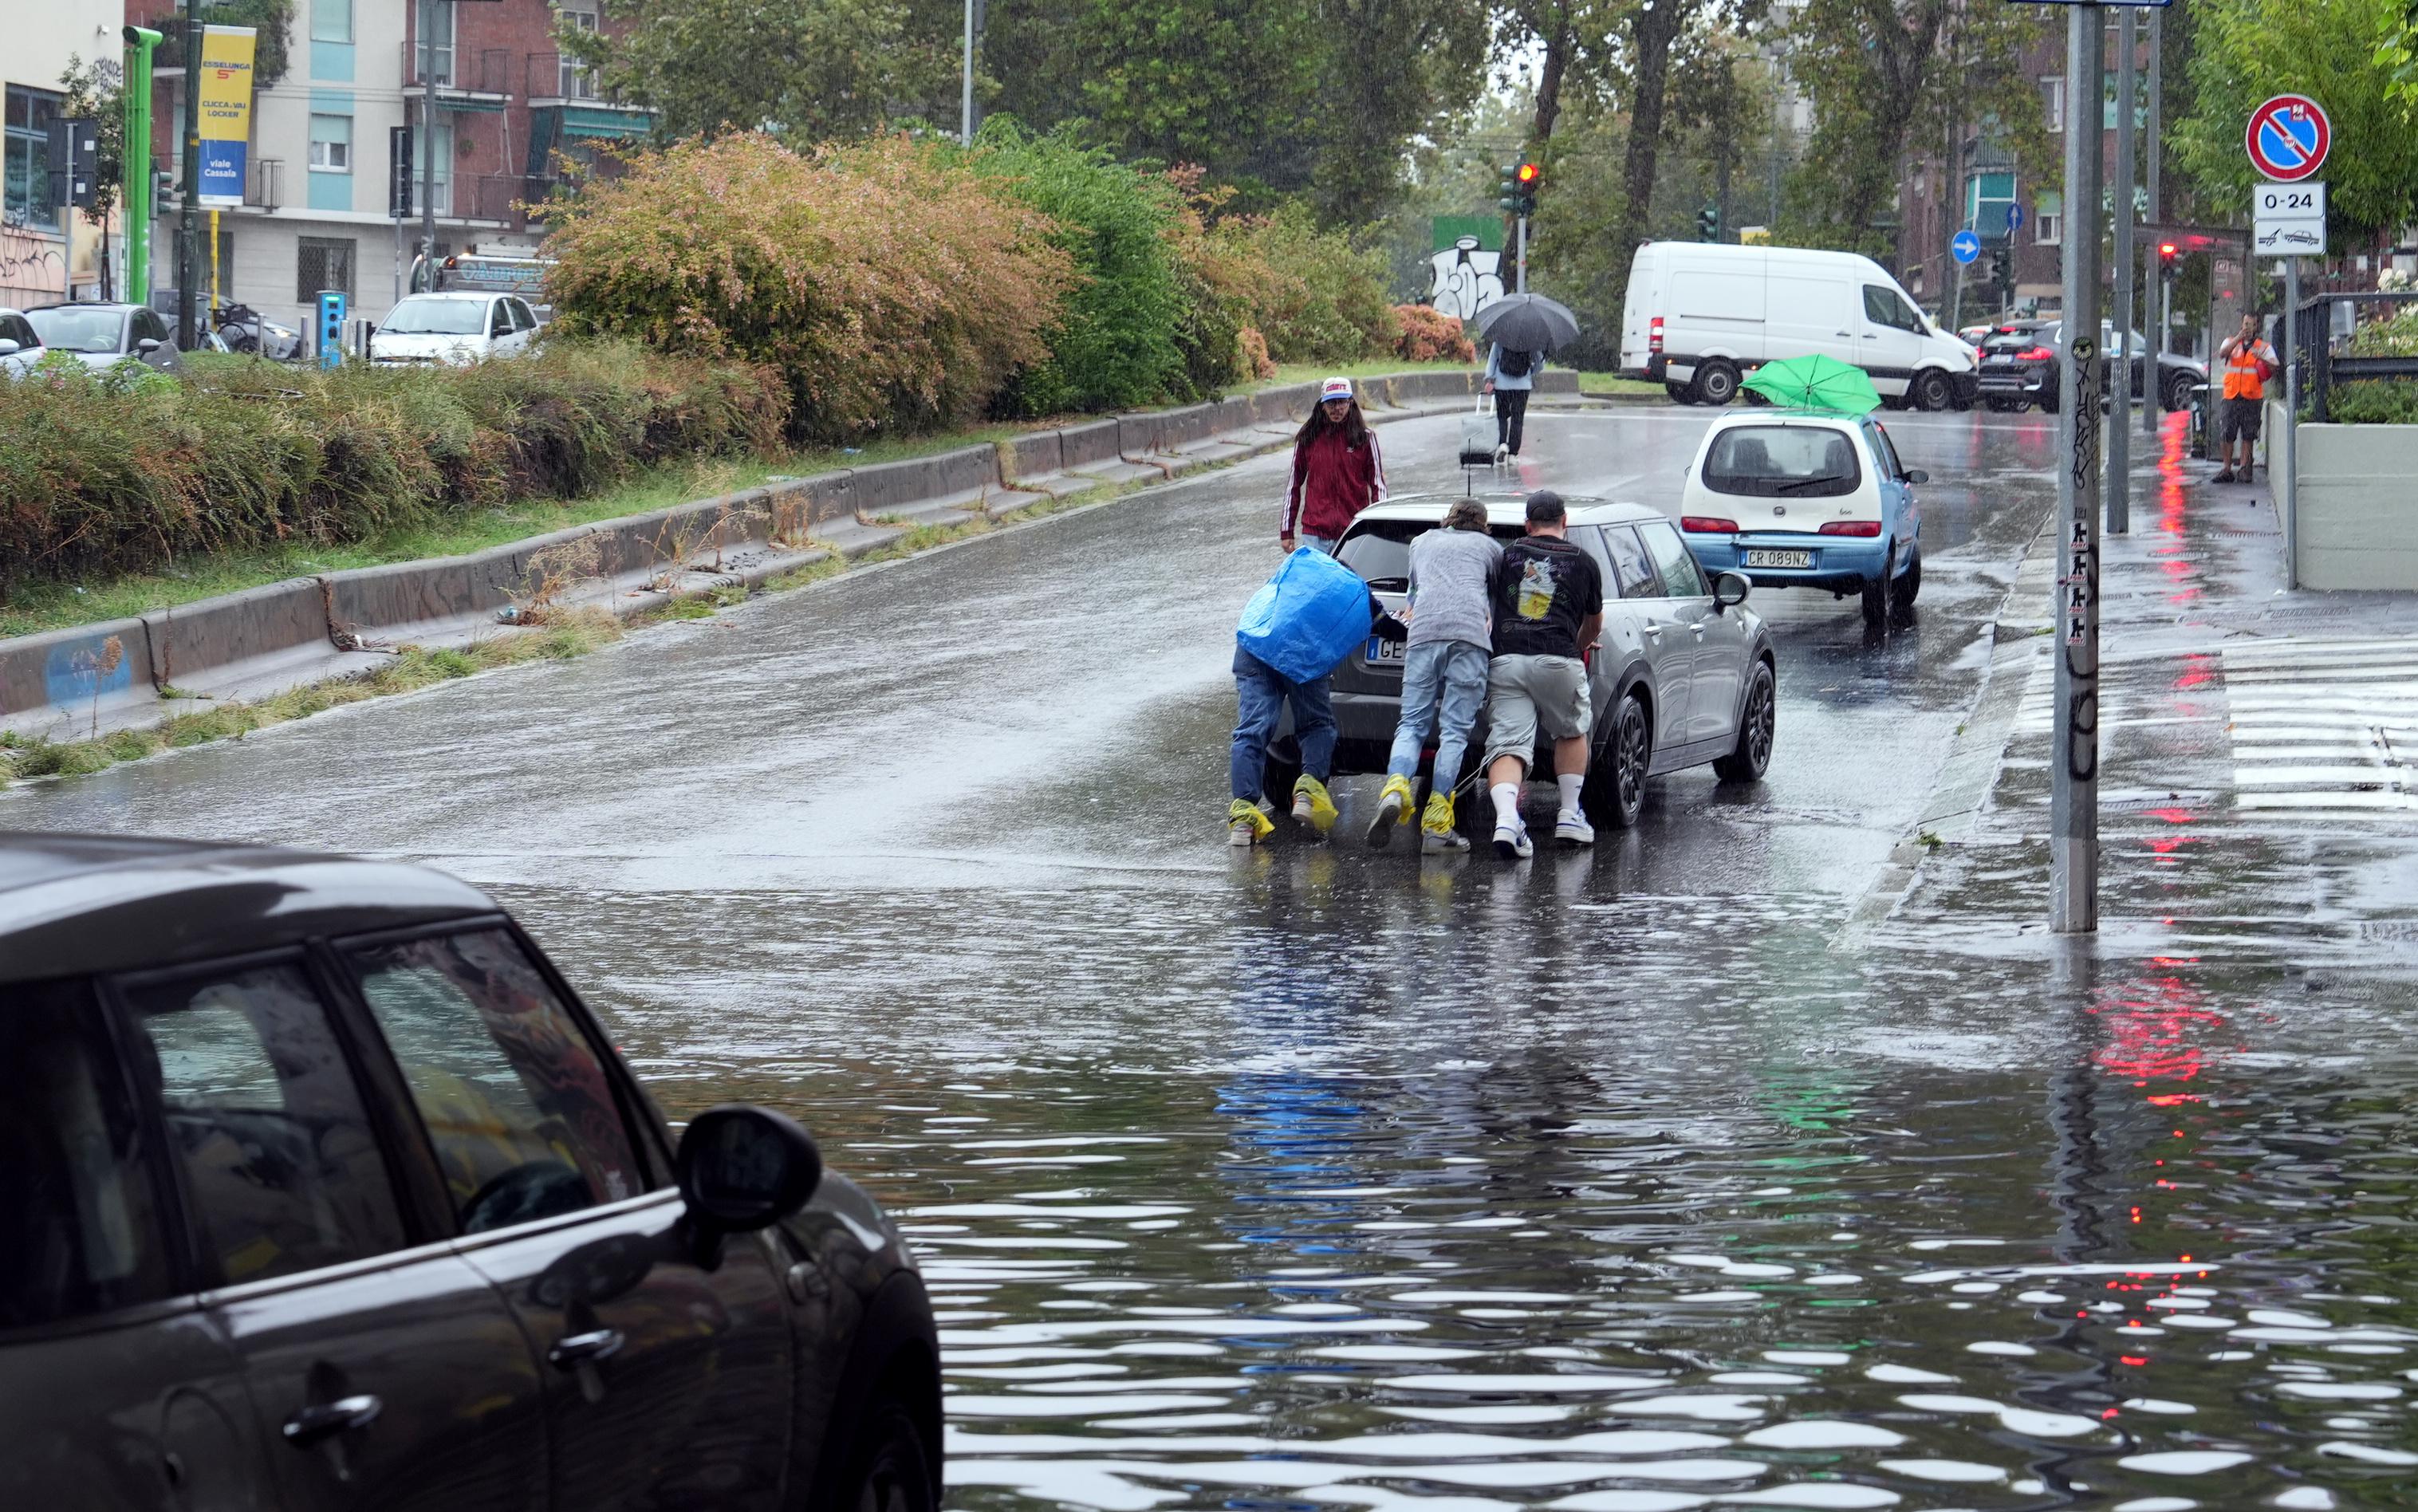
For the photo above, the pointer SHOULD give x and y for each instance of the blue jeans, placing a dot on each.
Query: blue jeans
(1446, 673)
(1324, 545)
(1260, 695)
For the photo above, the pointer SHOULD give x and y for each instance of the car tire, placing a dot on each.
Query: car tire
(1877, 591)
(2000, 405)
(1278, 771)
(1931, 390)
(2178, 394)
(1717, 382)
(1904, 588)
(2048, 401)
(1613, 793)
(1680, 393)
(1758, 722)
(889, 1469)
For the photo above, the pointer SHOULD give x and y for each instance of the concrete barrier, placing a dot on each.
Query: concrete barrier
(238, 645)
(401, 601)
(2354, 505)
(1083, 444)
(897, 487)
(1037, 455)
(65, 683)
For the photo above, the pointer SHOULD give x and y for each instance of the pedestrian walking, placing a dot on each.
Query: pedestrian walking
(1444, 672)
(1297, 630)
(1548, 604)
(1511, 377)
(1336, 470)
(2249, 362)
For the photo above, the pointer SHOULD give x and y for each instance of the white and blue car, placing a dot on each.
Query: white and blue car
(1807, 499)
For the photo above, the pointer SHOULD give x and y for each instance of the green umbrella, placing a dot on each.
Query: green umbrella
(1816, 382)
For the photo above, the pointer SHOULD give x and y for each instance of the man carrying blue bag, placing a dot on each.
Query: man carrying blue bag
(1295, 631)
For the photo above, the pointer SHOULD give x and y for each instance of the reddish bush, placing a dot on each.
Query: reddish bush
(1428, 335)
(1256, 361)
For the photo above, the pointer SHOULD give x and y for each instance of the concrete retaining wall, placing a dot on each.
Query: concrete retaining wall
(69, 683)
(235, 645)
(2356, 509)
(890, 486)
(1085, 445)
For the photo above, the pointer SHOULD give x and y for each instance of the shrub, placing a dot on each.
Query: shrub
(2394, 337)
(1255, 353)
(110, 474)
(886, 283)
(1312, 295)
(2374, 402)
(1428, 335)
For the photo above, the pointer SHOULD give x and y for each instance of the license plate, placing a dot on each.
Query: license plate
(1780, 558)
(1383, 652)
(2002, 361)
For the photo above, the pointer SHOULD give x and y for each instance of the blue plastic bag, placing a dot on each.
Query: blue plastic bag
(1305, 620)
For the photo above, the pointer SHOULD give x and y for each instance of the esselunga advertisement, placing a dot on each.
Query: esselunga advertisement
(224, 91)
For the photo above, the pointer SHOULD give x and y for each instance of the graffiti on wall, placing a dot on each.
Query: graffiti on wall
(1464, 279)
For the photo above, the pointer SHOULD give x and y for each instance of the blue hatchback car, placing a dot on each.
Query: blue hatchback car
(1808, 499)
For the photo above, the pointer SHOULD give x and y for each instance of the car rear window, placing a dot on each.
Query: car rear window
(1380, 550)
(1783, 461)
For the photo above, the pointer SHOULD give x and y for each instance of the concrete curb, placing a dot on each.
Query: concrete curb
(72, 684)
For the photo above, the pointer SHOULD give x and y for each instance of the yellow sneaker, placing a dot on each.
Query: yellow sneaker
(1310, 805)
(1437, 831)
(1393, 801)
(1246, 824)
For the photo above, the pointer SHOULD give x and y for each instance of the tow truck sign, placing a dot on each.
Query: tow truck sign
(2288, 138)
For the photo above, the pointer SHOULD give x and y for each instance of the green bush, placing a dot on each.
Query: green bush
(2394, 337)
(127, 471)
(1310, 293)
(890, 287)
(2374, 402)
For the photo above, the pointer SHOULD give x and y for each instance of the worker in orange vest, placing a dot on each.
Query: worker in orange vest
(2248, 363)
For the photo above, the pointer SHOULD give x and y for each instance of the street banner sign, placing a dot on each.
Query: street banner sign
(1966, 246)
(2288, 219)
(224, 91)
(2288, 138)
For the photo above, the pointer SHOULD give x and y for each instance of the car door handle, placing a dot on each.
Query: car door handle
(1652, 629)
(327, 1419)
(578, 1349)
(1699, 629)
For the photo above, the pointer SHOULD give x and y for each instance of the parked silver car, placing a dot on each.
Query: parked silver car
(1683, 674)
(103, 335)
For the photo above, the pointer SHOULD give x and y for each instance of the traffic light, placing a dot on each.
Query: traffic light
(2002, 273)
(1509, 198)
(1518, 192)
(2168, 255)
(1708, 224)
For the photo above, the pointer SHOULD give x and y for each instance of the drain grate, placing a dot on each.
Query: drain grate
(2322, 611)
(2392, 929)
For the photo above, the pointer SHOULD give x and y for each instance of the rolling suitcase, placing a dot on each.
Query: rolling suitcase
(1477, 439)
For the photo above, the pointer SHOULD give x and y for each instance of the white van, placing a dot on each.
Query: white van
(1701, 315)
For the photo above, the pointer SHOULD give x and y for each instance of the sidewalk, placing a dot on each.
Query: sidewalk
(2257, 746)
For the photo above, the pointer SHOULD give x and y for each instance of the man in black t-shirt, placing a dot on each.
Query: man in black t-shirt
(1548, 600)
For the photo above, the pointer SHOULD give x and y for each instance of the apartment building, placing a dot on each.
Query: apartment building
(38, 264)
(512, 116)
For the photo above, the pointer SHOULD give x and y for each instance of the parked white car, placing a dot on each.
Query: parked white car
(457, 328)
(20, 348)
(1700, 316)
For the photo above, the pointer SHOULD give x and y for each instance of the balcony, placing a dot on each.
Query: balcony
(557, 77)
(465, 80)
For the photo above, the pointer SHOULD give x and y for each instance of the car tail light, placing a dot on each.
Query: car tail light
(2036, 354)
(1708, 525)
(1851, 527)
(1654, 334)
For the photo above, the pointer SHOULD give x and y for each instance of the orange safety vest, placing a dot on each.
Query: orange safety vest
(2242, 378)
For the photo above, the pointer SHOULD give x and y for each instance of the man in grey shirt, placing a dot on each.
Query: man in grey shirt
(1444, 672)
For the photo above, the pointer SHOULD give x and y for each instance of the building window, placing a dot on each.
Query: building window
(28, 199)
(322, 263)
(436, 29)
(440, 160)
(332, 21)
(2053, 95)
(1988, 197)
(332, 144)
(2048, 218)
(577, 82)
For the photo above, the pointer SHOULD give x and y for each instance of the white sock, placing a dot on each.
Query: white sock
(1507, 805)
(1570, 786)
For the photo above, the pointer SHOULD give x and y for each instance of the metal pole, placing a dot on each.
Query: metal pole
(2153, 402)
(2074, 790)
(966, 100)
(1522, 271)
(187, 336)
(2288, 490)
(2120, 432)
(426, 140)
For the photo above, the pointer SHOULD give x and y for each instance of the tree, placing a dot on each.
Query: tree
(804, 71)
(2336, 52)
(1395, 69)
(273, 20)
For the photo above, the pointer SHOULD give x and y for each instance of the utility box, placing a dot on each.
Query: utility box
(330, 328)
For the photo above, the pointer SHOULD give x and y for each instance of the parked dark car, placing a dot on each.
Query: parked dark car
(323, 1190)
(2019, 366)
(103, 335)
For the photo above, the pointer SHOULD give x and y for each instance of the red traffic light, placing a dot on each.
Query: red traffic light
(1529, 172)
(2165, 248)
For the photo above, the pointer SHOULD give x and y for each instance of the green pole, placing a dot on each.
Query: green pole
(135, 166)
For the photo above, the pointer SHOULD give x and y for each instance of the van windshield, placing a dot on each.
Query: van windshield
(1783, 461)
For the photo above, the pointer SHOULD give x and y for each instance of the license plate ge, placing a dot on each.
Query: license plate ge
(1383, 652)
(1779, 558)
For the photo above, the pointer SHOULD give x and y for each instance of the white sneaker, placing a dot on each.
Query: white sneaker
(1442, 842)
(1571, 828)
(1512, 842)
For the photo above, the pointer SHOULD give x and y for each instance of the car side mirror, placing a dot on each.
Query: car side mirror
(1730, 588)
(742, 1168)
(148, 343)
(1916, 475)
(7, 348)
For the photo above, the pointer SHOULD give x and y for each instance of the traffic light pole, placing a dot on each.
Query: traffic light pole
(135, 179)
(2074, 790)
(188, 335)
(1519, 268)
(2120, 429)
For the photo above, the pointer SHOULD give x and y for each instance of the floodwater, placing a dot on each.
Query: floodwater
(1621, 1181)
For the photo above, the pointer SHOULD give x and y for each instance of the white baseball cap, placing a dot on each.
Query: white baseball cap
(1334, 388)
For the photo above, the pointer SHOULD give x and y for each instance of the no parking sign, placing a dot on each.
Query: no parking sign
(2288, 138)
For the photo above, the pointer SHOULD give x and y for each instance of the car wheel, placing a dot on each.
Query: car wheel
(1877, 589)
(2048, 401)
(1279, 772)
(1717, 382)
(1908, 584)
(1613, 793)
(2178, 395)
(2000, 405)
(1931, 390)
(1680, 393)
(890, 1469)
(1752, 756)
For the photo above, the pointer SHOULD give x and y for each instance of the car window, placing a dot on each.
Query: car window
(21, 330)
(1883, 305)
(1631, 568)
(517, 1103)
(423, 316)
(1781, 462)
(83, 1229)
(1679, 572)
(149, 325)
(1884, 451)
(266, 1124)
(1380, 550)
(524, 318)
(77, 330)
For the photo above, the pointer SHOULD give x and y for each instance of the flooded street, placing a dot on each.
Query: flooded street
(1629, 1180)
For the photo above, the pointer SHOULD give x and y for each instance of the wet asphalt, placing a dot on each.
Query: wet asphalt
(1620, 1180)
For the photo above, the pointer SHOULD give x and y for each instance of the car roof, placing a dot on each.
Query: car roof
(1505, 509)
(1828, 418)
(453, 295)
(72, 904)
(118, 305)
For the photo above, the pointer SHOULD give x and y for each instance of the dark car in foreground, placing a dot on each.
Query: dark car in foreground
(2019, 367)
(322, 1189)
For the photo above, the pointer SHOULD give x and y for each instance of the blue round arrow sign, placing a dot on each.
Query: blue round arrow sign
(1966, 246)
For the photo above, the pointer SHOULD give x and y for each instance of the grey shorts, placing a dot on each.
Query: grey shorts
(2240, 419)
(1524, 693)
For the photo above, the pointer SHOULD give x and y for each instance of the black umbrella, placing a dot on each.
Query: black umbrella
(1528, 323)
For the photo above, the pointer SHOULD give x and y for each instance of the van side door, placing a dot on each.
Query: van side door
(1805, 314)
(1889, 337)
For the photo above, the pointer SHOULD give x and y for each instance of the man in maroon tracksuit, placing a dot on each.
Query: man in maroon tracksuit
(1335, 471)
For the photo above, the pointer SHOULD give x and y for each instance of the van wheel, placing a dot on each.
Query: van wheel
(1717, 382)
(1931, 390)
(1877, 591)
(1613, 793)
(1680, 393)
(1752, 756)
